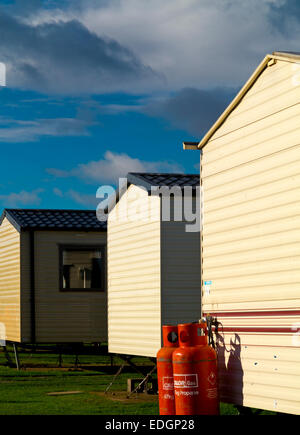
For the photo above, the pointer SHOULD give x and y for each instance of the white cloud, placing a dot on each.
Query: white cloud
(85, 199)
(16, 130)
(21, 198)
(192, 43)
(114, 166)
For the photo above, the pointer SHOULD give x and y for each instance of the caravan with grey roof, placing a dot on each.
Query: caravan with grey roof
(153, 263)
(52, 276)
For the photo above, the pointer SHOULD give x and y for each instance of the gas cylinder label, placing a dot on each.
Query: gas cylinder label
(168, 383)
(186, 381)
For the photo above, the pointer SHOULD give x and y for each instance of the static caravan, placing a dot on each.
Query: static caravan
(153, 262)
(250, 263)
(52, 276)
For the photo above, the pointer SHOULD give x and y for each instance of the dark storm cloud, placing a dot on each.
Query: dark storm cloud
(65, 57)
(191, 109)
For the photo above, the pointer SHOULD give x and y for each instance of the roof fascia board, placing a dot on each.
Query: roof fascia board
(190, 145)
(287, 58)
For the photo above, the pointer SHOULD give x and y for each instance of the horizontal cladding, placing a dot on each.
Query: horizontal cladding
(66, 316)
(275, 166)
(258, 358)
(263, 130)
(133, 229)
(271, 77)
(280, 304)
(277, 321)
(10, 282)
(251, 244)
(246, 189)
(274, 89)
(259, 213)
(262, 268)
(271, 99)
(146, 350)
(256, 292)
(134, 318)
(241, 156)
(264, 375)
(143, 240)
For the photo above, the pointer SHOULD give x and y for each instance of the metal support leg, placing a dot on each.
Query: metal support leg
(115, 377)
(144, 382)
(127, 360)
(134, 366)
(16, 356)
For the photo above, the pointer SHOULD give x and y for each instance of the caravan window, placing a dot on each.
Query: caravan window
(82, 268)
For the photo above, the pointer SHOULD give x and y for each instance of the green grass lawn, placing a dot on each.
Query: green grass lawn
(26, 392)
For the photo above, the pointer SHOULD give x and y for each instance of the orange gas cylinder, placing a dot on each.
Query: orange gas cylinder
(165, 370)
(205, 367)
(195, 372)
(185, 378)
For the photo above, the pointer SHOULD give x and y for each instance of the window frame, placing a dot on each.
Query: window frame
(77, 247)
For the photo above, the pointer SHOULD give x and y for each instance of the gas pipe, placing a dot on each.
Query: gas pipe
(165, 370)
(195, 372)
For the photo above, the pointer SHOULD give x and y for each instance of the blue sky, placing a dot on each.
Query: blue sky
(98, 88)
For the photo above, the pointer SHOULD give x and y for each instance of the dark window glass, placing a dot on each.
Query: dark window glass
(83, 269)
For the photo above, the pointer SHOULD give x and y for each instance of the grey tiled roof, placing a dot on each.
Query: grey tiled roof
(155, 180)
(39, 219)
(159, 180)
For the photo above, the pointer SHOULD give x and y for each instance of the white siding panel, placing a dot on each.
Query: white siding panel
(10, 292)
(271, 99)
(134, 285)
(25, 287)
(250, 243)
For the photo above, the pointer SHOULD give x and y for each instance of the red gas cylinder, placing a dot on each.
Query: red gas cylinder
(205, 366)
(195, 372)
(185, 377)
(165, 370)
